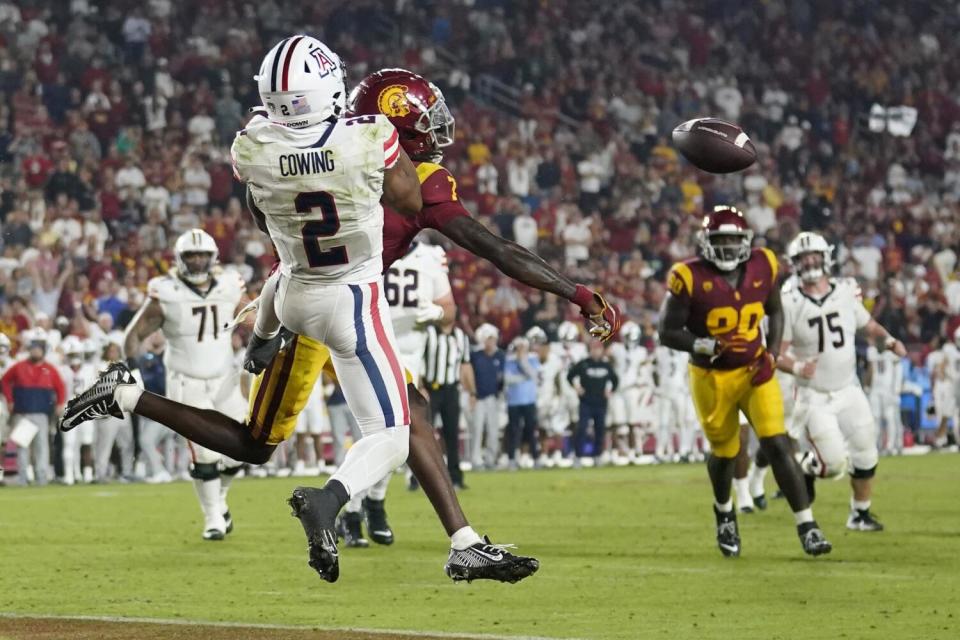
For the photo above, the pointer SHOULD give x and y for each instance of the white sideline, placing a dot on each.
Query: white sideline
(288, 627)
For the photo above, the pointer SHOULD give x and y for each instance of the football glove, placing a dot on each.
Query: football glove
(603, 325)
(261, 351)
(428, 313)
(763, 368)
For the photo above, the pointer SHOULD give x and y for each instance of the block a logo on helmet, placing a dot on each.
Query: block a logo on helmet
(301, 82)
(725, 238)
(414, 105)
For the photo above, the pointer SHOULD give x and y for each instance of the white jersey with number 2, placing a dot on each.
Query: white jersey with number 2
(320, 188)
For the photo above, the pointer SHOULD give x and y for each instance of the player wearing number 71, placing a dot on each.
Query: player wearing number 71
(190, 305)
(713, 310)
(832, 414)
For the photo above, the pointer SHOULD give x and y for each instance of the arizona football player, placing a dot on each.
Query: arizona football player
(188, 305)
(713, 310)
(832, 413)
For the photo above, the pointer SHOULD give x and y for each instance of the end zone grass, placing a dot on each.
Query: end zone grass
(625, 553)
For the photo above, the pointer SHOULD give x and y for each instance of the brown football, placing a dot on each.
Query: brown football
(714, 145)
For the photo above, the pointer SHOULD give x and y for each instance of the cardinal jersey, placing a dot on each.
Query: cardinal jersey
(320, 191)
(824, 329)
(197, 345)
(716, 308)
(440, 206)
(418, 278)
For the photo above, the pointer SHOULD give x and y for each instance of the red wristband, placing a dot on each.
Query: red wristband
(582, 296)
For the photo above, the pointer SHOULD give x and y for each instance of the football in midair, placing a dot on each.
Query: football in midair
(714, 145)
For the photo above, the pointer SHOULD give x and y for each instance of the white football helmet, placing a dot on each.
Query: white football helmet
(630, 332)
(91, 350)
(519, 341)
(568, 332)
(536, 336)
(810, 242)
(4, 344)
(73, 350)
(195, 241)
(301, 82)
(486, 330)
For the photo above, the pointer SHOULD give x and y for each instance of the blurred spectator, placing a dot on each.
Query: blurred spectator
(520, 375)
(487, 361)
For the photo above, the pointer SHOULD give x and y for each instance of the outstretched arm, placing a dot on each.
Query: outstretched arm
(523, 266)
(148, 319)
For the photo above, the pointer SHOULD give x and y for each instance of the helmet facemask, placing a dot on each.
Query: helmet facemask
(811, 266)
(195, 266)
(726, 248)
(436, 121)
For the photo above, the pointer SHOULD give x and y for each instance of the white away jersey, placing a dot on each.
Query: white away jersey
(824, 330)
(320, 190)
(633, 365)
(418, 278)
(887, 372)
(671, 368)
(950, 357)
(197, 345)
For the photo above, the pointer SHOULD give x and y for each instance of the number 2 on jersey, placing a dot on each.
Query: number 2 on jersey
(325, 227)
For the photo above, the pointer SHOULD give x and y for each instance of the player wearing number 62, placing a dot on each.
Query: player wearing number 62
(713, 310)
(832, 416)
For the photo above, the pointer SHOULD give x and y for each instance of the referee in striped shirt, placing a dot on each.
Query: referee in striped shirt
(447, 366)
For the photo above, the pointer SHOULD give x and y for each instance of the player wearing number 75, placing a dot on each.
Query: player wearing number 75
(832, 416)
(713, 310)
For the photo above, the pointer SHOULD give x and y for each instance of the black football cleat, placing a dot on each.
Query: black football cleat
(317, 511)
(97, 401)
(214, 535)
(863, 520)
(377, 525)
(812, 538)
(728, 535)
(228, 519)
(349, 528)
(487, 561)
(760, 502)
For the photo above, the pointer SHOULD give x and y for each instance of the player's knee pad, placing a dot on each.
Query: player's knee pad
(864, 474)
(231, 471)
(865, 459)
(205, 471)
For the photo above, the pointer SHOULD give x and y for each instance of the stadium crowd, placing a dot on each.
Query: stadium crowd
(116, 118)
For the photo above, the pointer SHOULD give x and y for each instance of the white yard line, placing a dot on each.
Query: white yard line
(279, 627)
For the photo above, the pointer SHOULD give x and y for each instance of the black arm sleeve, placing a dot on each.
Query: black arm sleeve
(673, 324)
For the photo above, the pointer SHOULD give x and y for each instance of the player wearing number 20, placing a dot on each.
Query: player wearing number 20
(832, 414)
(190, 306)
(714, 311)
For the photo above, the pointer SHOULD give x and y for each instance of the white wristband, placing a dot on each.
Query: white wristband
(705, 346)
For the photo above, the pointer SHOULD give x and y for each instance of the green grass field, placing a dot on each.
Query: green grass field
(625, 553)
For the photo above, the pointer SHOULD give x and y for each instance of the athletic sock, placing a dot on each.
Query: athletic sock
(860, 505)
(464, 538)
(208, 492)
(756, 476)
(379, 490)
(726, 507)
(803, 516)
(741, 487)
(372, 457)
(355, 504)
(226, 477)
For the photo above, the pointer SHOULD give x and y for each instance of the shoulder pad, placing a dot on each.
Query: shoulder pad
(162, 287)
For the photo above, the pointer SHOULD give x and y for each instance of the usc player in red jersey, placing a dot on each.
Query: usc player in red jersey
(289, 366)
(713, 310)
